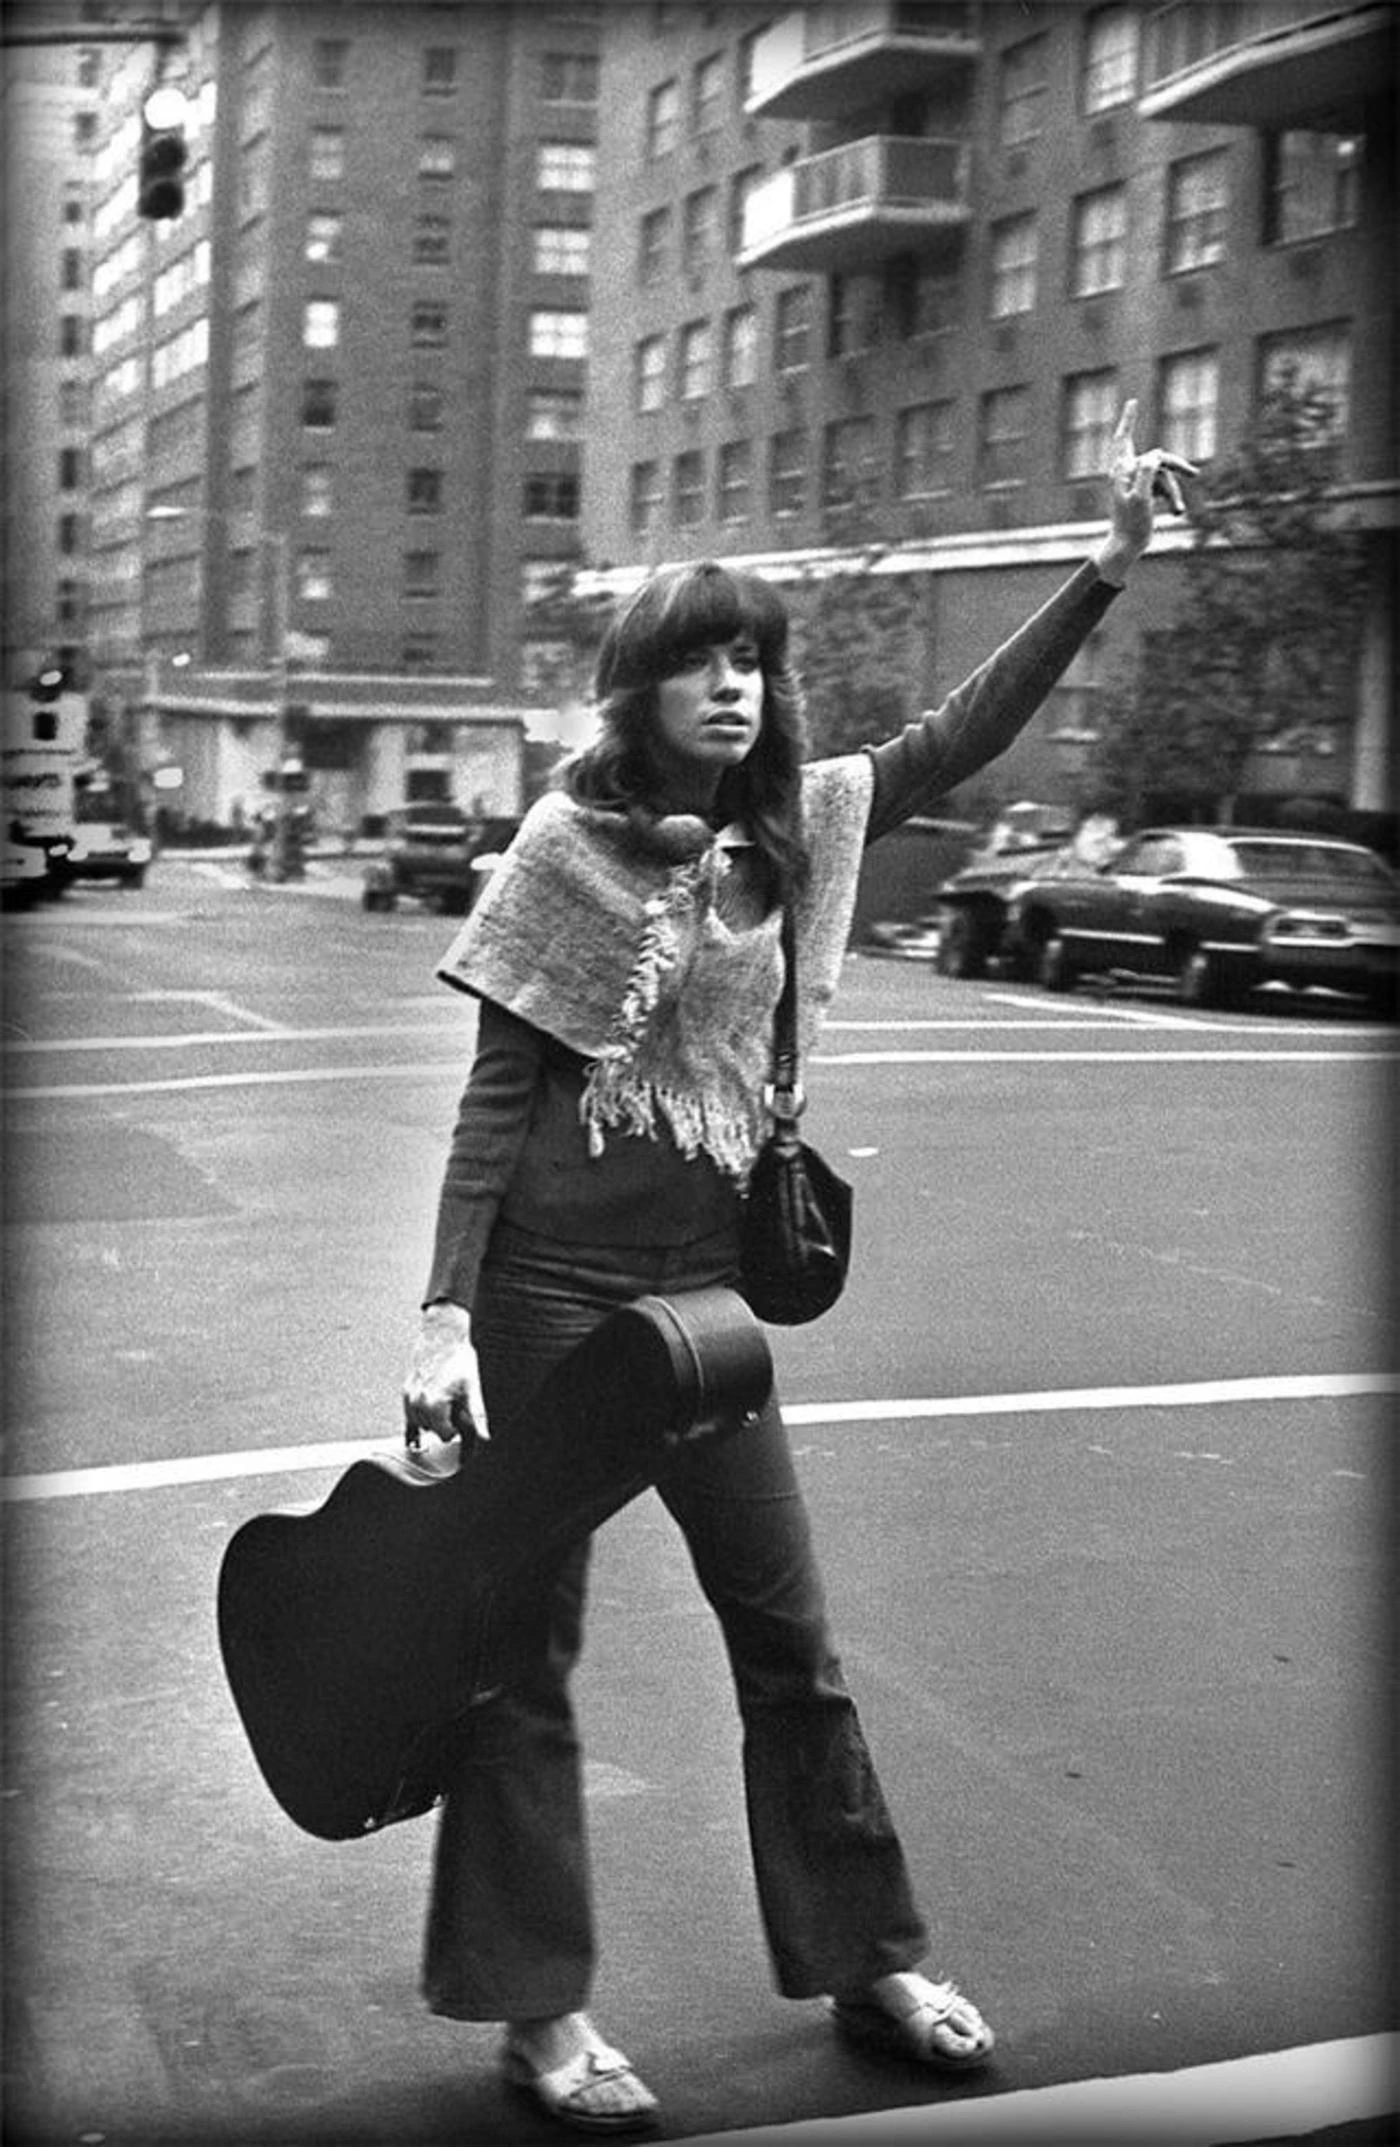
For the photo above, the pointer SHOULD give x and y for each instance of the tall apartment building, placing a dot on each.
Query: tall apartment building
(337, 402)
(49, 110)
(885, 273)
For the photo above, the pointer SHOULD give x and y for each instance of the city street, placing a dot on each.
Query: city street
(1097, 1447)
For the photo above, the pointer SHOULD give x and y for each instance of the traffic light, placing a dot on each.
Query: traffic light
(160, 180)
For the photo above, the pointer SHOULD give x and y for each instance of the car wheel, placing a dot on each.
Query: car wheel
(136, 878)
(1054, 968)
(962, 945)
(1203, 980)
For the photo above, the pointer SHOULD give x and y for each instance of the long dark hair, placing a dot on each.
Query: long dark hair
(673, 612)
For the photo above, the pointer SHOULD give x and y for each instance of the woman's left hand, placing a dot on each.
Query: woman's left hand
(1135, 482)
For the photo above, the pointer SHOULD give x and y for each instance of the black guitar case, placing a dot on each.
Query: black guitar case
(359, 1636)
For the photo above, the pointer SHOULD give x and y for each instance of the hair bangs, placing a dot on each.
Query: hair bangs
(686, 609)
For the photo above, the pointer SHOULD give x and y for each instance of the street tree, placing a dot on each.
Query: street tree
(858, 636)
(1265, 641)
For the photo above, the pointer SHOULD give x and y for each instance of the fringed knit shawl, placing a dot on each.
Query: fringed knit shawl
(663, 976)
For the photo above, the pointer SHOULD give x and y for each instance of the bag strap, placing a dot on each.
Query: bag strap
(785, 1097)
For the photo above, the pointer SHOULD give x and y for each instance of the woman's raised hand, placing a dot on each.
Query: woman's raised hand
(1135, 482)
(442, 1390)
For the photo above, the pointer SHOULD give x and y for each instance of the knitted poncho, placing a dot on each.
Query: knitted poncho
(663, 975)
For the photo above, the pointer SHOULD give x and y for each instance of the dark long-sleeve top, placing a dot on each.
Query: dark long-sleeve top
(519, 1150)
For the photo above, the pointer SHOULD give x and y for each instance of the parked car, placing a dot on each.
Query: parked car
(974, 904)
(1216, 911)
(437, 853)
(107, 850)
(30, 870)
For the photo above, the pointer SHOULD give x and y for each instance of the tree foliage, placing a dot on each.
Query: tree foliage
(1266, 637)
(858, 638)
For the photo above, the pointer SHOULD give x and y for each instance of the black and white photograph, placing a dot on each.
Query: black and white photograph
(700, 997)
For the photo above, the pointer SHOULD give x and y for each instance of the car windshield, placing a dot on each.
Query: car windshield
(1268, 860)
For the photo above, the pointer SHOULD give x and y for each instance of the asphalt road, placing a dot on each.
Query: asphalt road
(1096, 1446)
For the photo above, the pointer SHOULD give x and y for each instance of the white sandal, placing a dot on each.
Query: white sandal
(939, 2026)
(567, 2091)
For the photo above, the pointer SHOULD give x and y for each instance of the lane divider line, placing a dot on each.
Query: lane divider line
(339, 1453)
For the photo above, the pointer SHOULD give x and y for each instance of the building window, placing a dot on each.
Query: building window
(1312, 185)
(568, 78)
(320, 324)
(1074, 707)
(663, 119)
(922, 299)
(437, 156)
(317, 490)
(1024, 90)
(653, 241)
(551, 497)
(695, 361)
(699, 231)
(428, 325)
(560, 250)
(330, 62)
(1099, 242)
(688, 489)
(849, 326)
(439, 70)
(923, 450)
(792, 328)
(324, 230)
(707, 104)
(787, 472)
(327, 153)
(423, 491)
(1311, 361)
(650, 373)
(1003, 437)
(741, 186)
(558, 335)
(419, 652)
(426, 406)
(553, 414)
(422, 573)
(735, 480)
(848, 460)
(1014, 249)
(1110, 59)
(72, 268)
(1089, 411)
(313, 576)
(740, 347)
(566, 167)
(432, 240)
(1197, 199)
(318, 404)
(70, 468)
(1189, 404)
(645, 497)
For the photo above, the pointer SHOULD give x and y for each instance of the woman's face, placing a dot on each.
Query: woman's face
(709, 711)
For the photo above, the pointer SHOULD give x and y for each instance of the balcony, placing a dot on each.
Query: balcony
(849, 207)
(1266, 63)
(828, 62)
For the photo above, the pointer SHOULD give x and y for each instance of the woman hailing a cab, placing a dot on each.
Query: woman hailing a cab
(626, 957)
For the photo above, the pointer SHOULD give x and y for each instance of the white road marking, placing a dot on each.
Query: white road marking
(1109, 1012)
(218, 1001)
(339, 1453)
(270, 1032)
(1278, 2094)
(419, 1069)
(1147, 1056)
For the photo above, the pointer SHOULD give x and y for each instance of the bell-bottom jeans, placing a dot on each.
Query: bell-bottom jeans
(510, 1925)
